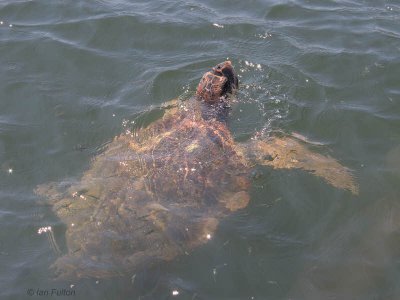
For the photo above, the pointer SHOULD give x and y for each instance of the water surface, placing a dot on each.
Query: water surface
(73, 72)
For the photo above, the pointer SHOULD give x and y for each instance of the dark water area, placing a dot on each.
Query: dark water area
(74, 72)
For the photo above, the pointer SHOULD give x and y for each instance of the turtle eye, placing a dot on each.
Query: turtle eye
(218, 67)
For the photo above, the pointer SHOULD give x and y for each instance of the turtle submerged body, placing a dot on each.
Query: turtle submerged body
(159, 192)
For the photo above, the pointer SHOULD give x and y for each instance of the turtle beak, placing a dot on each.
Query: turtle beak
(218, 68)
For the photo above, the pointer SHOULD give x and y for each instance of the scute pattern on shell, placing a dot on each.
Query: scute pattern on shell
(158, 192)
(152, 195)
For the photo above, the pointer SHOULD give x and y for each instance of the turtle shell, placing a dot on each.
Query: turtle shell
(155, 193)
(158, 192)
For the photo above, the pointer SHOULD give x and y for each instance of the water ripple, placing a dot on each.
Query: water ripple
(73, 72)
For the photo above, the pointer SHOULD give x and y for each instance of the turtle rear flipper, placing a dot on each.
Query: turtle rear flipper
(70, 267)
(288, 153)
(234, 201)
(52, 192)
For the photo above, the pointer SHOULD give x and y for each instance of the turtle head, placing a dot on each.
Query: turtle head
(218, 82)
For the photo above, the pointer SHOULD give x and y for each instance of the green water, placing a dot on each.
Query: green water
(73, 71)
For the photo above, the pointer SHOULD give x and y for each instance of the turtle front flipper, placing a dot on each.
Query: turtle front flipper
(288, 153)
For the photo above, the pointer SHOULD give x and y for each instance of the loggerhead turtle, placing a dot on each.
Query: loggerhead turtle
(157, 193)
